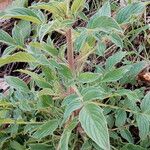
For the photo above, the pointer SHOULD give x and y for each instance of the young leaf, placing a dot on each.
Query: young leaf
(94, 124)
(46, 129)
(17, 57)
(17, 83)
(125, 13)
(77, 5)
(46, 91)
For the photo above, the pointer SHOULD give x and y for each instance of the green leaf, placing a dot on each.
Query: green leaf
(125, 13)
(44, 29)
(18, 3)
(146, 103)
(115, 74)
(143, 125)
(65, 71)
(9, 50)
(25, 28)
(34, 75)
(39, 146)
(6, 38)
(58, 9)
(40, 81)
(101, 49)
(17, 57)
(81, 40)
(17, 83)
(94, 93)
(45, 47)
(74, 105)
(115, 38)
(25, 106)
(94, 124)
(64, 141)
(22, 13)
(114, 59)
(46, 129)
(104, 23)
(18, 36)
(15, 145)
(131, 95)
(46, 91)
(132, 147)
(125, 133)
(88, 77)
(121, 117)
(71, 103)
(77, 5)
(135, 69)
(86, 145)
(105, 10)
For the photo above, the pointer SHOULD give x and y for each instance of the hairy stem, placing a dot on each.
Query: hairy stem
(70, 54)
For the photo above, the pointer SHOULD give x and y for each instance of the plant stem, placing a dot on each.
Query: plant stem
(70, 53)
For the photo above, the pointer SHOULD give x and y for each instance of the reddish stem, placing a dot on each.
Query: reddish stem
(70, 53)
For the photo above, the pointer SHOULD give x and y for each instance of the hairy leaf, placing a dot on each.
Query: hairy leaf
(105, 24)
(6, 38)
(88, 77)
(77, 5)
(17, 57)
(17, 83)
(125, 13)
(94, 124)
(46, 129)
(64, 141)
(22, 13)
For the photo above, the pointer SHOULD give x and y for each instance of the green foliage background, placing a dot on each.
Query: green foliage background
(82, 102)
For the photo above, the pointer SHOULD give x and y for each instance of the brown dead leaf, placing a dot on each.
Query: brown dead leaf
(144, 76)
